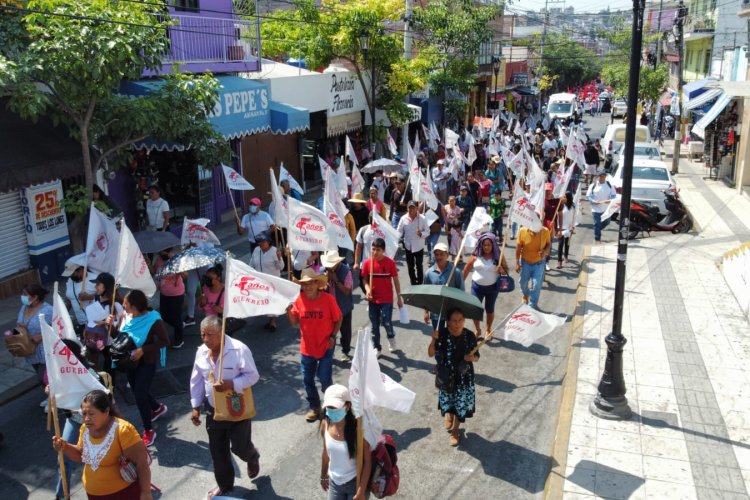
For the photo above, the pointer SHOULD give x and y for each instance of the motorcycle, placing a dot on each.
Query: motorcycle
(647, 218)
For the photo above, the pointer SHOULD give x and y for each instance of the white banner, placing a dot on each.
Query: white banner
(308, 228)
(334, 209)
(451, 138)
(349, 151)
(382, 229)
(478, 223)
(426, 194)
(61, 322)
(522, 211)
(577, 203)
(391, 143)
(562, 179)
(235, 180)
(358, 182)
(284, 175)
(69, 380)
(195, 231)
(252, 293)
(132, 271)
(613, 207)
(102, 242)
(527, 325)
(280, 207)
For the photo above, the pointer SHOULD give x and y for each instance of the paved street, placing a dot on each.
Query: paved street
(504, 453)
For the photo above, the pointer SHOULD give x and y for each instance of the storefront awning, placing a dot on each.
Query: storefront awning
(702, 99)
(699, 128)
(736, 89)
(241, 109)
(287, 119)
(694, 89)
(342, 124)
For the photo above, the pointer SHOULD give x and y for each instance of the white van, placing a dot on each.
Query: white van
(562, 106)
(614, 138)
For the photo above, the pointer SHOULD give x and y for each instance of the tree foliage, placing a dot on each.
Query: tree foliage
(321, 34)
(78, 55)
(570, 62)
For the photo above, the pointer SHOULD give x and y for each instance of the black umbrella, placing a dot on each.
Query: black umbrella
(438, 299)
(155, 241)
(192, 258)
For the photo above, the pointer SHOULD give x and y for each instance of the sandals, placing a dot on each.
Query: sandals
(454, 438)
(448, 422)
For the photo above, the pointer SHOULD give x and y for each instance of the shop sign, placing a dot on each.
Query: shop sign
(244, 103)
(520, 79)
(44, 217)
(338, 125)
(344, 94)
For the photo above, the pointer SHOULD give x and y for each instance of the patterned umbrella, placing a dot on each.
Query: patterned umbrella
(192, 258)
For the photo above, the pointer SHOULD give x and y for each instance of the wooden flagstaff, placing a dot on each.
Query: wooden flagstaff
(52, 409)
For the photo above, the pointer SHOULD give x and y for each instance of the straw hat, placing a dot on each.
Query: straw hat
(357, 198)
(309, 275)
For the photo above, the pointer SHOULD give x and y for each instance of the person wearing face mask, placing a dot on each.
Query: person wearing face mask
(96, 334)
(171, 297)
(254, 223)
(78, 294)
(380, 183)
(338, 468)
(212, 292)
(32, 305)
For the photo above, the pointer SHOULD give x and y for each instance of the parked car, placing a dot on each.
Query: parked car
(619, 108)
(614, 137)
(650, 179)
(641, 150)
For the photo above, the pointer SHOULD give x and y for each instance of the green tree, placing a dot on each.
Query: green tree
(79, 54)
(332, 30)
(450, 35)
(570, 62)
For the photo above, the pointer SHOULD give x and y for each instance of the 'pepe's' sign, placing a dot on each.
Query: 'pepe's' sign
(245, 103)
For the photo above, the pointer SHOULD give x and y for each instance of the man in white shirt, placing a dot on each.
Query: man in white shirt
(599, 194)
(440, 176)
(365, 237)
(239, 372)
(77, 293)
(254, 223)
(413, 230)
(549, 143)
(157, 210)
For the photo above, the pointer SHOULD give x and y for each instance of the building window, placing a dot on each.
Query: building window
(186, 5)
(707, 65)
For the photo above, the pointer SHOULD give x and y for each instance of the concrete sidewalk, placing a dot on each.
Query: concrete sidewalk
(686, 363)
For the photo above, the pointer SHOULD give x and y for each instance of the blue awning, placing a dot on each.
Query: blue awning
(286, 119)
(702, 99)
(241, 109)
(699, 128)
(696, 88)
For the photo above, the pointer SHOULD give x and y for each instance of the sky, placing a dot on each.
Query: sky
(579, 5)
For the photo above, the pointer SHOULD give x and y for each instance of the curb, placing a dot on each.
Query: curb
(553, 487)
(19, 389)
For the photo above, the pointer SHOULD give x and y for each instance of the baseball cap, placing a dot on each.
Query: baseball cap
(74, 263)
(105, 279)
(336, 396)
(255, 201)
(440, 247)
(411, 204)
(440, 162)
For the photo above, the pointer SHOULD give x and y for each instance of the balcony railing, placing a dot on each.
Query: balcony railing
(705, 23)
(200, 39)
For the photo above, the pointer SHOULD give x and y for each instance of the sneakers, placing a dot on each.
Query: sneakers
(345, 357)
(313, 414)
(380, 354)
(178, 346)
(188, 322)
(155, 414)
(392, 345)
(149, 437)
(546, 267)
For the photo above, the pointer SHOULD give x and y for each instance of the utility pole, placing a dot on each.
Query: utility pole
(610, 402)
(678, 132)
(540, 73)
(658, 29)
(408, 38)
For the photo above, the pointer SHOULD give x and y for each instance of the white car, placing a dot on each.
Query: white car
(619, 108)
(614, 138)
(650, 179)
(641, 150)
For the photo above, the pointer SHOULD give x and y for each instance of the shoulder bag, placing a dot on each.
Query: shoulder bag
(19, 342)
(120, 349)
(230, 406)
(505, 283)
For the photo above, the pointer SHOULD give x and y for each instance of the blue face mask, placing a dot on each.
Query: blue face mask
(336, 415)
(25, 300)
(254, 209)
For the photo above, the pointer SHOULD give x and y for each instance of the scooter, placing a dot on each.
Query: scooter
(647, 218)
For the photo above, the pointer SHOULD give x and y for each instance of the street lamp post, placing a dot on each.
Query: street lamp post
(364, 43)
(496, 71)
(610, 401)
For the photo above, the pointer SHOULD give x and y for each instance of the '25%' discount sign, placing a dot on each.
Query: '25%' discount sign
(44, 217)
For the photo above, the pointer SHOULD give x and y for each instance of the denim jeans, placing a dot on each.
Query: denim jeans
(344, 491)
(396, 217)
(599, 225)
(320, 367)
(69, 434)
(140, 381)
(535, 273)
(431, 241)
(381, 314)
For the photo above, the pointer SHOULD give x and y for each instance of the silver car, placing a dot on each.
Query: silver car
(650, 179)
(619, 108)
(641, 150)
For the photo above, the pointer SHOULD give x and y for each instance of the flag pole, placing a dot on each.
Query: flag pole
(234, 206)
(52, 408)
(223, 324)
(455, 260)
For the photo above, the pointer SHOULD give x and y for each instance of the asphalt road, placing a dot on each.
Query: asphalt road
(504, 451)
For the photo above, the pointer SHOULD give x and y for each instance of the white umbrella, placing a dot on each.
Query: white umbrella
(383, 164)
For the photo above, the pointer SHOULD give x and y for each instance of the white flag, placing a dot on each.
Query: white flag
(308, 228)
(563, 135)
(349, 151)
(69, 380)
(252, 293)
(101, 243)
(562, 179)
(195, 231)
(478, 223)
(451, 138)
(284, 175)
(472, 156)
(280, 207)
(391, 143)
(358, 182)
(342, 183)
(334, 209)
(517, 164)
(426, 192)
(522, 211)
(132, 271)
(235, 180)
(577, 203)
(613, 207)
(430, 217)
(61, 322)
(416, 141)
(527, 325)
(381, 229)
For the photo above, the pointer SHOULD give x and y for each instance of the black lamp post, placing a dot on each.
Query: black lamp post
(496, 71)
(364, 43)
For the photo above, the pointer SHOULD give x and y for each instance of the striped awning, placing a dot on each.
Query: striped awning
(702, 99)
(699, 128)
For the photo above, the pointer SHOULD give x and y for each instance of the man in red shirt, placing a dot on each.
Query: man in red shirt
(319, 319)
(379, 292)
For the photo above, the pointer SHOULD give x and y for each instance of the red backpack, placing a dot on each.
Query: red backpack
(385, 478)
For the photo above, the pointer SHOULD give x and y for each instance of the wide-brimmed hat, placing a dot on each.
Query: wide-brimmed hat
(357, 198)
(496, 159)
(309, 274)
(330, 259)
(336, 396)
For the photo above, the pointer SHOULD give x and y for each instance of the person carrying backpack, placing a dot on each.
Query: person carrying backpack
(338, 469)
(599, 194)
